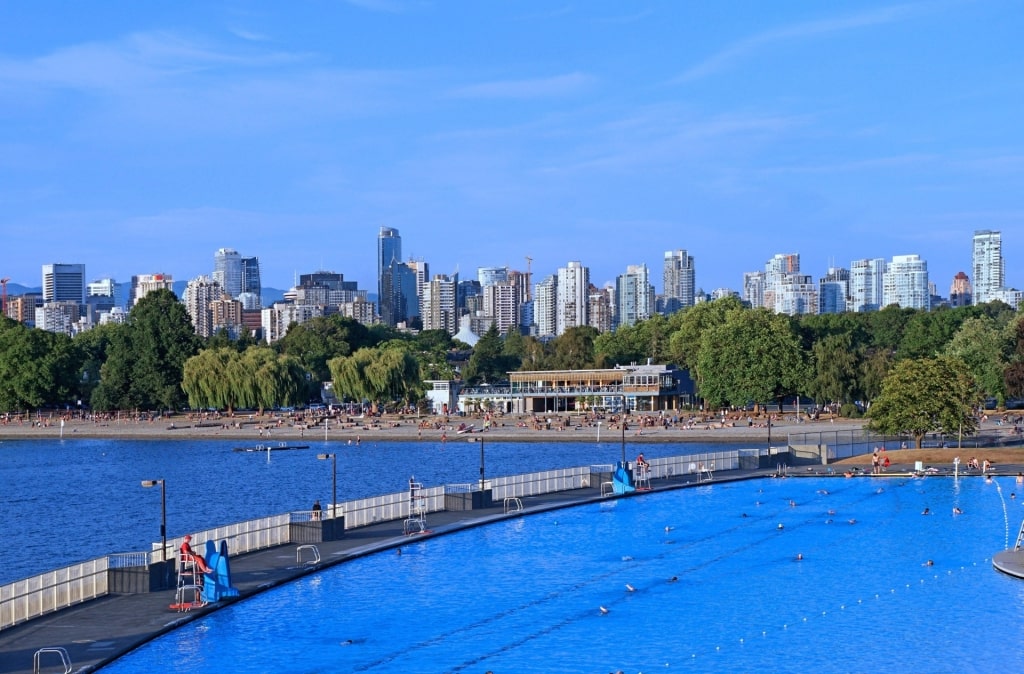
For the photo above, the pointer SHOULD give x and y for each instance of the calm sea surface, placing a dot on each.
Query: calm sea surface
(63, 502)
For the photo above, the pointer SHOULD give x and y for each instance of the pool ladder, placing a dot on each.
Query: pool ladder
(61, 652)
(1020, 538)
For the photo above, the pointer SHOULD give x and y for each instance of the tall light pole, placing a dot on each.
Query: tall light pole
(481, 441)
(333, 456)
(163, 513)
(623, 424)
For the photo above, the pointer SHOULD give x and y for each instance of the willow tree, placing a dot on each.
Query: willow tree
(380, 375)
(208, 379)
(926, 395)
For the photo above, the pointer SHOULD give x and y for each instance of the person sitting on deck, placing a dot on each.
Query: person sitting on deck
(190, 555)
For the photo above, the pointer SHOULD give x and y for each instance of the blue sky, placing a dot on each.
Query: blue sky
(141, 137)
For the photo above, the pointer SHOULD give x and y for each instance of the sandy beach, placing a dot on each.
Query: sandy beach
(510, 428)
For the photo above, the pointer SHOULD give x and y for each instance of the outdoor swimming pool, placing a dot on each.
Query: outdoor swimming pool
(524, 595)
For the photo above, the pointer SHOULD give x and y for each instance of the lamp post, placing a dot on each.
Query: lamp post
(481, 441)
(623, 425)
(333, 456)
(163, 513)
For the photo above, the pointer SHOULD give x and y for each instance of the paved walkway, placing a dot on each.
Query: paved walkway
(98, 631)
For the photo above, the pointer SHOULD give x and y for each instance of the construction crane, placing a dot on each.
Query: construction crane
(529, 280)
(3, 296)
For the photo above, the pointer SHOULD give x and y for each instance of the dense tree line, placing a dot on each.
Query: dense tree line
(736, 355)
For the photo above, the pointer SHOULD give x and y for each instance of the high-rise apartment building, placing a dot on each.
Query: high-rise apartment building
(64, 283)
(960, 293)
(866, 284)
(680, 280)
(833, 291)
(438, 305)
(634, 296)
(601, 308)
(753, 288)
(571, 296)
(491, 275)
(200, 293)
(398, 301)
(988, 265)
(905, 283)
(545, 306)
(501, 302)
(143, 284)
(227, 271)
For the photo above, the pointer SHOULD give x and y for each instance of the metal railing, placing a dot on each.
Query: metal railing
(36, 596)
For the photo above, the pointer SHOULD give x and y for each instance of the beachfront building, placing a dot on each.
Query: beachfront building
(641, 388)
(905, 283)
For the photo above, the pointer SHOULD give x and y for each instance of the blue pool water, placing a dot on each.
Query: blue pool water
(63, 502)
(524, 595)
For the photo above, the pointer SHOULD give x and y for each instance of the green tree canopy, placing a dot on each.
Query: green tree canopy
(926, 395)
(380, 375)
(754, 356)
(984, 348)
(320, 339)
(37, 368)
(145, 363)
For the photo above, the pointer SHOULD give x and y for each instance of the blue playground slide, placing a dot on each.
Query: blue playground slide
(622, 480)
(218, 583)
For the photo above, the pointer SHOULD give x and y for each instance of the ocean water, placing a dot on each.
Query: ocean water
(63, 502)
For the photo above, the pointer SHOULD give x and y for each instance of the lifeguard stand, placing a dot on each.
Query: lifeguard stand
(416, 522)
(642, 476)
(189, 593)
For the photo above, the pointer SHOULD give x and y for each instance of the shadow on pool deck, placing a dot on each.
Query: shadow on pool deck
(98, 631)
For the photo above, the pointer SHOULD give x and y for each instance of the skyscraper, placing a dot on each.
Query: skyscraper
(905, 283)
(833, 291)
(987, 261)
(64, 283)
(389, 249)
(634, 296)
(866, 284)
(227, 271)
(251, 277)
(438, 305)
(571, 296)
(200, 293)
(545, 306)
(679, 279)
(960, 292)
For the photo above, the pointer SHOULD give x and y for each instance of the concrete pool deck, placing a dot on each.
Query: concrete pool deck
(96, 632)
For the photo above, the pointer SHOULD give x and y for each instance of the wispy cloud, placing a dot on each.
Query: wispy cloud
(747, 47)
(545, 87)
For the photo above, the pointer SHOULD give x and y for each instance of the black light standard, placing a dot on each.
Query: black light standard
(333, 456)
(163, 513)
(481, 441)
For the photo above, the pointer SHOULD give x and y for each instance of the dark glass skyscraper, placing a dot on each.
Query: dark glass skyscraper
(389, 251)
(251, 276)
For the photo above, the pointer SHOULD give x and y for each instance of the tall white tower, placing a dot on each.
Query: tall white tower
(989, 269)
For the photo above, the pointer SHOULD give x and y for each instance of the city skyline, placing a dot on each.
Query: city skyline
(139, 142)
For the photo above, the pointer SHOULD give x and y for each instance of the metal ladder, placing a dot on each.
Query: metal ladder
(416, 522)
(1020, 538)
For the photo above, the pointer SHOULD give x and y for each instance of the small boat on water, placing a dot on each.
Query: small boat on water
(270, 448)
